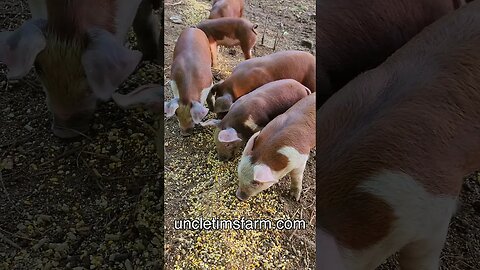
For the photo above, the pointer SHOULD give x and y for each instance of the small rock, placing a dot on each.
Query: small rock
(42, 219)
(21, 227)
(128, 264)
(307, 43)
(28, 127)
(40, 244)
(176, 19)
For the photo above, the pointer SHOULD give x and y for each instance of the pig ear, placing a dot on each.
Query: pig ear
(170, 107)
(228, 135)
(249, 147)
(107, 62)
(211, 122)
(223, 103)
(18, 49)
(198, 112)
(263, 174)
(150, 96)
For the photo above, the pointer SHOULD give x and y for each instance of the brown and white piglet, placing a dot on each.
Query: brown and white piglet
(251, 112)
(230, 32)
(226, 8)
(78, 52)
(282, 147)
(191, 77)
(255, 72)
(353, 37)
(393, 148)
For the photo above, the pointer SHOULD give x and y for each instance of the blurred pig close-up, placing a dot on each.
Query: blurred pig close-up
(81, 137)
(77, 48)
(397, 146)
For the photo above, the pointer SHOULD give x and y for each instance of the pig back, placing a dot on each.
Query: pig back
(353, 37)
(262, 105)
(255, 72)
(295, 128)
(191, 64)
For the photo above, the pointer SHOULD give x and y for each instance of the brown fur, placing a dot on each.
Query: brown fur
(417, 113)
(226, 8)
(75, 17)
(239, 31)
(273, 98)
(295, 128)
(353, 37)
(258, 71)
(191, 65)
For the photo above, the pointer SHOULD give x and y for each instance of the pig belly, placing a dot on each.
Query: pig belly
(228, 42)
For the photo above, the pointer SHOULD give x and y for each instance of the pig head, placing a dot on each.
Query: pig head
(188, 111)
(78, 55)
(227, 139)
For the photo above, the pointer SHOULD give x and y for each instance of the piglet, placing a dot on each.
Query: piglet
(190, 77)
(282, 147)
(393, 148)
(251, 112)
(230, 32)
(255, 72)
(77, 48)
(226, 8)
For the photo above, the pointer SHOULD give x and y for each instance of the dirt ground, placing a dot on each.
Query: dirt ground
(198, 185)
(91, 203)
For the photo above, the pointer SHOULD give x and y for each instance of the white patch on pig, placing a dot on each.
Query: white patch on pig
(421, 216)
(251, 124)
(204, 95)
(174, 87)
(295, 160)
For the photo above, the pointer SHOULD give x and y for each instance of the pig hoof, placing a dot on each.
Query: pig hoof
(295, 193)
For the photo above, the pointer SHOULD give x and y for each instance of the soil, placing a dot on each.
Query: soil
(91, 203)
(198, 185)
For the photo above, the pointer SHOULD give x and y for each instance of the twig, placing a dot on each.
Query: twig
(6, 193)
(17, 141)
(264, 30)
(8, 241)
(64, 154)
(17, 236)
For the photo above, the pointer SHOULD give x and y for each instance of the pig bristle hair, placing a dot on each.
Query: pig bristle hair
(64, 78)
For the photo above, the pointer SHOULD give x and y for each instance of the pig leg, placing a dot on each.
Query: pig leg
(246, 49)
(424, 254)
(296, 185)
(147, 29)
(214, 50)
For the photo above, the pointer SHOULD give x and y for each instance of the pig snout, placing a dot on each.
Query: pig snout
(223, 157)
(242, 196)
(186, 131)
(72, 126)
